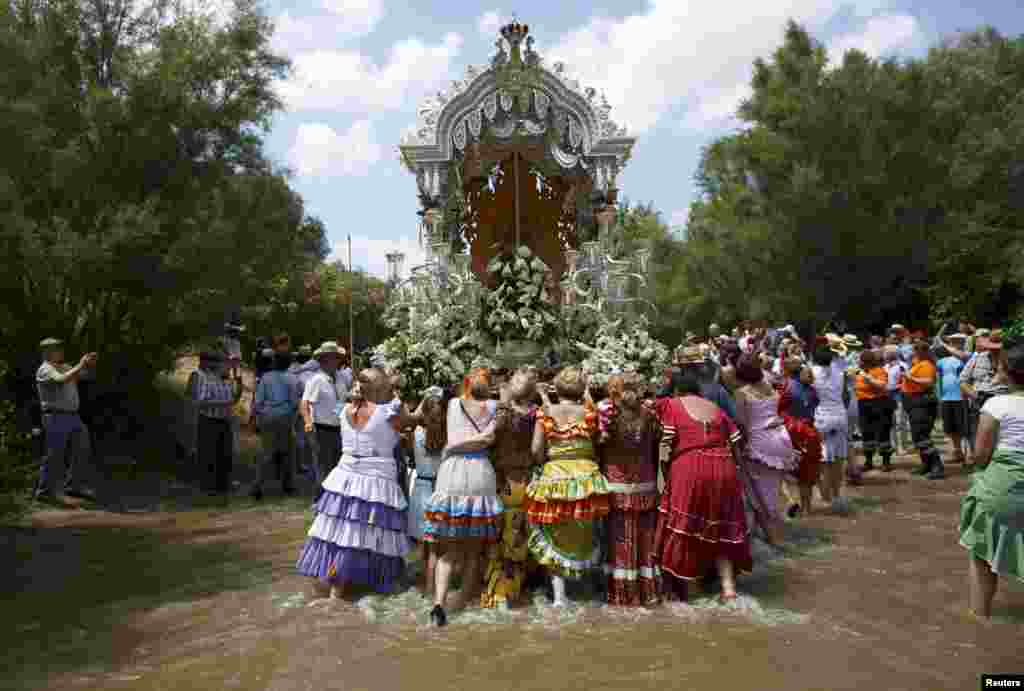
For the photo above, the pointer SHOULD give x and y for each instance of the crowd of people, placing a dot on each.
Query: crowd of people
(514, 481)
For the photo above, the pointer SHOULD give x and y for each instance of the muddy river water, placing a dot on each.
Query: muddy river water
(206, 598)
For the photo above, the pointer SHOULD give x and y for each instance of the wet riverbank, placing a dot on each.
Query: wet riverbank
(206, 597)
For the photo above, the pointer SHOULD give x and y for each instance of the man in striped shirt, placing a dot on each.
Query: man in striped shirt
(214, 397)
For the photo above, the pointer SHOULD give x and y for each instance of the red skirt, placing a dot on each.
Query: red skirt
(701, 517)
(808, 442)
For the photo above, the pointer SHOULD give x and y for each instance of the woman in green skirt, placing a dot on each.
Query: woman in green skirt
(992, 511)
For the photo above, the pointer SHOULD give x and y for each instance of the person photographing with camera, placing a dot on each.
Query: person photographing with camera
(66, 436)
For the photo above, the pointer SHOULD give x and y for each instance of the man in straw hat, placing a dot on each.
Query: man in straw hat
(65, 435)
(321, 409)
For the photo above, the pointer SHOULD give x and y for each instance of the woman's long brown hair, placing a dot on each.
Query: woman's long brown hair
(435, 423)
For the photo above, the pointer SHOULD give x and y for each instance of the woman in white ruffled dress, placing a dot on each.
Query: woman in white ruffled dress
(464, 511)
(359, 533)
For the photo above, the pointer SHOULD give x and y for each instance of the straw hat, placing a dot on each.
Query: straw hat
(852, 341)
(50, 343)
(691, 355)
(329, 348)
(957, 337)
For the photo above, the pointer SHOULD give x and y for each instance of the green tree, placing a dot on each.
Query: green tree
(135, 200)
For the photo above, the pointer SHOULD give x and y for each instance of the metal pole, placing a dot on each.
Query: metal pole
(515, 169)
(351, 301)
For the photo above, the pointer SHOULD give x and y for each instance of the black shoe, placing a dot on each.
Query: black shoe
(288, 491)
(256, 494)
(437, 616)
(886, 465)
(868, 465)
(938, 472)
(81, 494)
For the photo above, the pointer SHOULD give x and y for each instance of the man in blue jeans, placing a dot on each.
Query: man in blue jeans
(276, 405)
(66, 437)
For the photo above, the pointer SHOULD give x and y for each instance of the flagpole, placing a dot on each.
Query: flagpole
(351, 301)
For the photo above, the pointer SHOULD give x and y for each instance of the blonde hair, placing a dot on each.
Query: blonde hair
(570, 383)
(523, 384)
(372, 384)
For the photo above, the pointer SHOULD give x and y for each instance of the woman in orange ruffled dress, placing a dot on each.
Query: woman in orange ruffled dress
(569, 493)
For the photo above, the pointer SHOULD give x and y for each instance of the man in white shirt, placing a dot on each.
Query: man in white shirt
(321, 408)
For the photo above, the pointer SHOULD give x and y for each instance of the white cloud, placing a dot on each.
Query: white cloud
(879, 37)
(319, 149)
(685, 53)
(339, 20)
(490, 22)
(369, 253)
(349, 81)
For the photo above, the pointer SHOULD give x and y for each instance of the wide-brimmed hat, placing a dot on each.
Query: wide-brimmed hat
(852, 341)
(329, 348)
(836, 344)
(234, 327)
(690, 355)
(982, 332)
(49, 343)
(690, 336)
(957, 337)
(788, 329)
(899, 328)
(306, 350)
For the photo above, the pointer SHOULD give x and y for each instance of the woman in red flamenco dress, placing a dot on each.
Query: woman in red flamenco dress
(701, 520)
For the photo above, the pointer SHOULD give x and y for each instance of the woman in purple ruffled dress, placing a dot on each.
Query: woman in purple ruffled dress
(359, 532)
(769, 448)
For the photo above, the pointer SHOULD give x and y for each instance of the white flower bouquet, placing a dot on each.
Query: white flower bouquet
(519, 307)
(624, 349)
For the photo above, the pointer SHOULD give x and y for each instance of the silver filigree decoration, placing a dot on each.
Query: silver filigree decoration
(575, 133)
(505, 129)
(474, 121)
(472, 72)
(491, 105)
(563, 158)
(459, 135)
(586, 144)
(534, 127)
(541, 101)
(506, 100)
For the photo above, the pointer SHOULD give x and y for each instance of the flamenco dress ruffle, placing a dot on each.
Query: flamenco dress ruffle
(564, 499)
(464, 505)
(808, 444)
(358, 534)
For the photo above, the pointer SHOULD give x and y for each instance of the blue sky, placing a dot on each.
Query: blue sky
(673, 70)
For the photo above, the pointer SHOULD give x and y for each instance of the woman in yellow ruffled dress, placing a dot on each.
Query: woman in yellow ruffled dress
(569, 493)
(513, 460)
